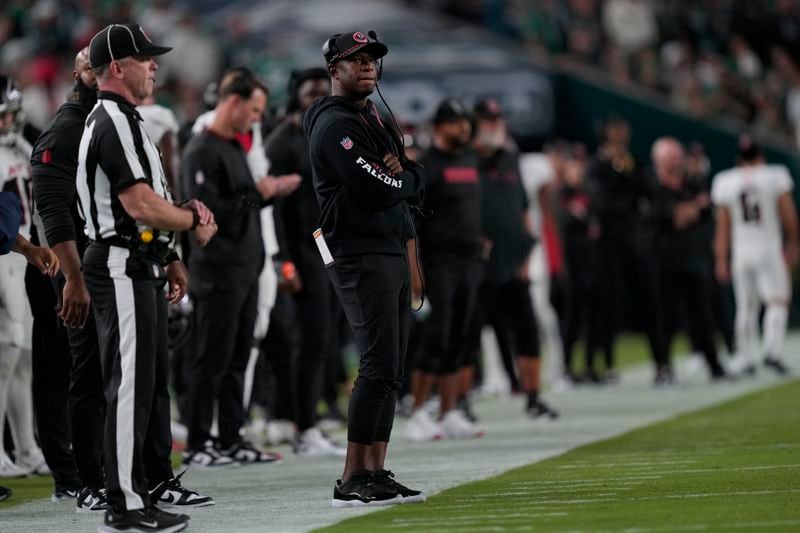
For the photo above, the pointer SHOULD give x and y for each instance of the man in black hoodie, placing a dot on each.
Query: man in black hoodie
(68, 390)
(364, 185)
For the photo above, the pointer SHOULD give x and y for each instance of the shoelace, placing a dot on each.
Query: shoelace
(387, 478)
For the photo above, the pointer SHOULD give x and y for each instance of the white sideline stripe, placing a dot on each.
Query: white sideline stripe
(584, 464)
(126, 318)
(702, 527)
(469, 518)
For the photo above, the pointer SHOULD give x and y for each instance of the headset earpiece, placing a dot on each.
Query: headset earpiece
(329, 50)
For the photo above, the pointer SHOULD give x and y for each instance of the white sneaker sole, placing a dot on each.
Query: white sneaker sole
(420, 498)
(342, 504)
(165, 505)
(173, 529)
(81, 510)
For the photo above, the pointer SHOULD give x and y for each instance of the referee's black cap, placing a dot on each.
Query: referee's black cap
(118, 41)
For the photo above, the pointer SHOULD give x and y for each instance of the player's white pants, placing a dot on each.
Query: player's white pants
(761, 279)
(546, 317)
(16, 324)
(267, 293)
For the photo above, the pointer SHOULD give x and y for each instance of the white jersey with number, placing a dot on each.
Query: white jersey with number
(751, 196)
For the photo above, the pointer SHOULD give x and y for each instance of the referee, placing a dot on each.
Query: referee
(130, 220)
(364, 185)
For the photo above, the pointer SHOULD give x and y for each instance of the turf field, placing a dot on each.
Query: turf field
(295, 496)
(735, 466)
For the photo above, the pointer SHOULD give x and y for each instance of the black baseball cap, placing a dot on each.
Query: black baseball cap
(488, 108)
(449, 110)
(118, 41)
(342, 45)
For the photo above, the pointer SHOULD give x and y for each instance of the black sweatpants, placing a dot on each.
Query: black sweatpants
(315, 325)
(51, 375)
(452, 288)
(127, 290)
(690, 290)
(375, 294)
(224, 324)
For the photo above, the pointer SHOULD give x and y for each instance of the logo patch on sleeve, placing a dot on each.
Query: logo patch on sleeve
(346, 143)
(199, 178)
(47, 156)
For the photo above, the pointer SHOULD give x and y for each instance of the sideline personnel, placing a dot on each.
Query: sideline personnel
(130, 220)
(364, 185)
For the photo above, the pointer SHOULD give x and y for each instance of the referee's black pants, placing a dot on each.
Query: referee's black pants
(224, 324)
(375, 294)
(127, 290)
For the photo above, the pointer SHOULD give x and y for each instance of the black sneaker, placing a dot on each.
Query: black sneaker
(5, 493)
(362, 491)
(91, 499)
(664, 377)
(208, 457)
(245, 453)
(62, 493)
(385, 478)
(777, 366)
(542, 411)
(171, 492)
(142, 520)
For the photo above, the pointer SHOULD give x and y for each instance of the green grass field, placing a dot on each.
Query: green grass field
(734, 466)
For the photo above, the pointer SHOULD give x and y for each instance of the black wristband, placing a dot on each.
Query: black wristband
(195, 220)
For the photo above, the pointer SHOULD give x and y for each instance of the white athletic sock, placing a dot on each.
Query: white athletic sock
(551, 333)
(20, 404)
(747, 334)
(774, 325)
(9, 356)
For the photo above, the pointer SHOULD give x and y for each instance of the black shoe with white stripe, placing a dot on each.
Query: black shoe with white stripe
(5, 493)
(63, 493)
(207, 457)
(776, 365)
(385, 479)
(361, 490)
(143, 520)
(171, 492)
(245, 453)
(91, 500)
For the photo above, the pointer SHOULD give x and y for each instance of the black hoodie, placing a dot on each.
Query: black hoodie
(54, 165)
(363, 207)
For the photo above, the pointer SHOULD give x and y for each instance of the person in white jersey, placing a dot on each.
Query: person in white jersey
(538, 172)
(755, 244)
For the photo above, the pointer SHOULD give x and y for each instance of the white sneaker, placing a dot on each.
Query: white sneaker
(457, 426)
(207, 457)
(33, 461)
(279, 432)
(421, 427)
(314, 443)
(9, 469)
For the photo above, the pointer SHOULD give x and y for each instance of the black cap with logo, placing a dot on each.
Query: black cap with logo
(449, 110)
(488, 108)
(342, 45)
(118, 41)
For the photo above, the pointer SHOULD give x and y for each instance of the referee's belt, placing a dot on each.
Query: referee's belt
(160, 251)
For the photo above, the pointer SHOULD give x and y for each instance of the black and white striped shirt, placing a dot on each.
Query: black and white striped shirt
(116, 153)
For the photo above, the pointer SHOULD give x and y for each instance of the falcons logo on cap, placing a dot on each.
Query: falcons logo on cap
(359, 37)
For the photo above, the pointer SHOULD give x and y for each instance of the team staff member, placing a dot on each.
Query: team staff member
(450, 244)
(130, 220)
(505, 296)
(69, 391)
(297, 215)
(685, 275)
(226, 272)
(364, 186)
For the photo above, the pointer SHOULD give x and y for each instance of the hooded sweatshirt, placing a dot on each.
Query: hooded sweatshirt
(364, 208)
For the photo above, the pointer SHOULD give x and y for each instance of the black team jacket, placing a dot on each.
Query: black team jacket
(364, 209)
